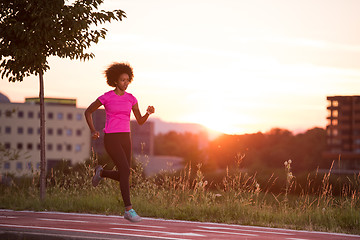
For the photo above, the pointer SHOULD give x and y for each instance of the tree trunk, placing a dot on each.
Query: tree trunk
(42, 140)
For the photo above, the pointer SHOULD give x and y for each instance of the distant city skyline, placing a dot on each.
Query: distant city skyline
(233, 66)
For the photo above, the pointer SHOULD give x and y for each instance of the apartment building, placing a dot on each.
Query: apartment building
(67, 135)
(343, 133)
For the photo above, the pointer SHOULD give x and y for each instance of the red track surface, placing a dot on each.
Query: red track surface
(88, 226)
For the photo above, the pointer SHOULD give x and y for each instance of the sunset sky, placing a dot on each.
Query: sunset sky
(234, 66)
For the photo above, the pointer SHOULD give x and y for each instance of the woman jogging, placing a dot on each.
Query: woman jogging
(118, 105)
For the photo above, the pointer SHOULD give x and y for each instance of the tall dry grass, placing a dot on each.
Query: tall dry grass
(239, 198)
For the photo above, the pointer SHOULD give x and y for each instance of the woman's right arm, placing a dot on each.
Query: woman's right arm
(88, 116)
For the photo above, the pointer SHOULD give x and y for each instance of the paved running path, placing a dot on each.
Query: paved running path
(56, 225)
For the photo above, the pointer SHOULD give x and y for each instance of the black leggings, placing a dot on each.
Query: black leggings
(118, 146)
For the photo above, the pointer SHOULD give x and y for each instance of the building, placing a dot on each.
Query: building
(343, 133)
(67, 134)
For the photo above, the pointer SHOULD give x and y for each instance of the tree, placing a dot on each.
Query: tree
(33, 30)
(186, 145)
(269, 151)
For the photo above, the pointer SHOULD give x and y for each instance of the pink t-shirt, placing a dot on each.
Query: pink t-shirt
(118, 109)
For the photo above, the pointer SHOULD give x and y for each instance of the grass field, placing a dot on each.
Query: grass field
(238, 199)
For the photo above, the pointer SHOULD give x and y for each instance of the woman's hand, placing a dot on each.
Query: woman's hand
(150, 110)
(142, 119)
(95, 135)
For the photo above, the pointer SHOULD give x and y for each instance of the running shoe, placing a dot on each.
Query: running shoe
(97, 178)
(132, 216)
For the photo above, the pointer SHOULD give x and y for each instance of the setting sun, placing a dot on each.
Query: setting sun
(220, 121)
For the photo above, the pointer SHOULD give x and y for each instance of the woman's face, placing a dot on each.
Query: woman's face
(123, 81)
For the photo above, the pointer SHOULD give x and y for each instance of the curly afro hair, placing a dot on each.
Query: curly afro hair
(114, 71)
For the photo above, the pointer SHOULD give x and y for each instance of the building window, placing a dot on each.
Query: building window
(50, 115)
(59, 132)
(8, 130)
(20, 114)
(19, 166)
(77, 148)
(19, 146)
(78, 116)
(345, 112)
(328, 122)
(335, 113)
(50, 147)
(29, 146)
(37, 166)
(30, 114)
(20, 130)
(346, 132)
(334, 132)
(8, 113)
(29, 166)
(59, 147)
(50, 131)
(69, 132)
(30, 130)
(69, 116)
(60, 116)
(335, 141)
(69, 147)
(7, 165)
(38, 146)
(335, 150)
(78, 132)
(7, 145)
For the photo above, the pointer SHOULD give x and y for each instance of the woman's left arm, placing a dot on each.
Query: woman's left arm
(142, 119)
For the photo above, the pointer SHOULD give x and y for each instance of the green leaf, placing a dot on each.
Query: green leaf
(31, 31)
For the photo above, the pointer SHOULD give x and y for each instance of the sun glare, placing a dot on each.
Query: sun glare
(227, 128)
(222, 123)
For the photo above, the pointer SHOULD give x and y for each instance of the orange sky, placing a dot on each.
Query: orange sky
(234, 66)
